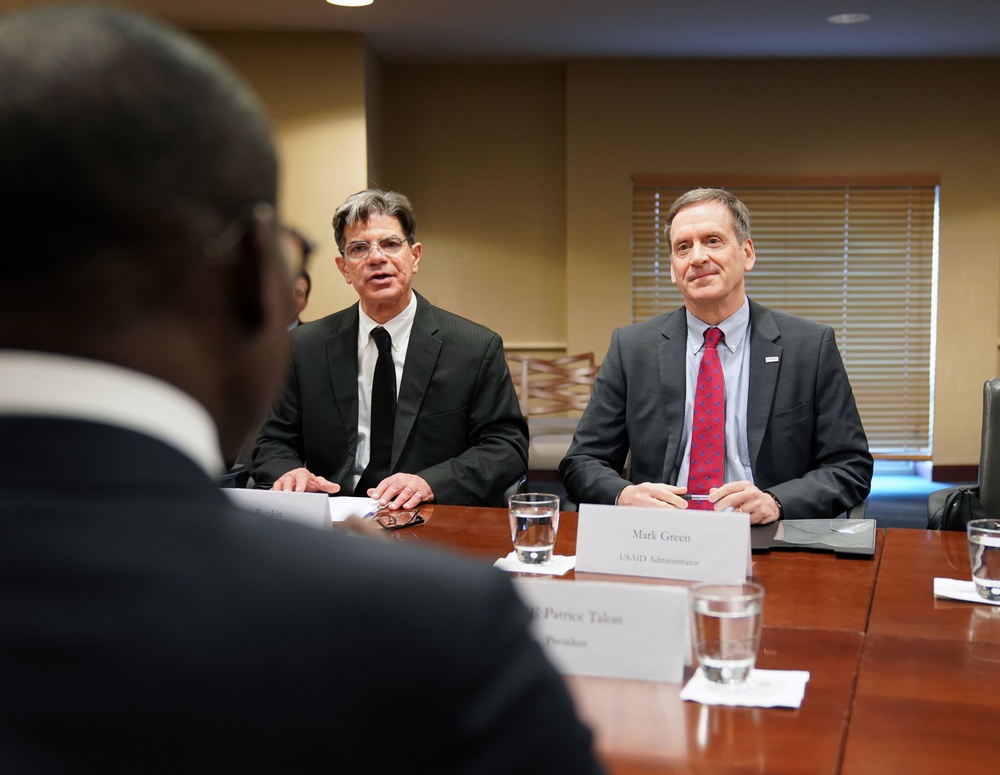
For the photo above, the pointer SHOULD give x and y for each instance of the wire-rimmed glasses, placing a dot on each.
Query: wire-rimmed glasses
(387, 246)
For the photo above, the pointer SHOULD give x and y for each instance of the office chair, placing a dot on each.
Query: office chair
(514, 488)
(236, 477)
(989, 456)
(552, 393)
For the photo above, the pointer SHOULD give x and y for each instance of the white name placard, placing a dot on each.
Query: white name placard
(609, 630)
(309, 508)
(663, 543)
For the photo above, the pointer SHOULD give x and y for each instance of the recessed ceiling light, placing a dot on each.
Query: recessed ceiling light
(350, 3)
(849, 18)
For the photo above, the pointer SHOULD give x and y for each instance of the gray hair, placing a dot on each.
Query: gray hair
(359, 207)
(737, 210)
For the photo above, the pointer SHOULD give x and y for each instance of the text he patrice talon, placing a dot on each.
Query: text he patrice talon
(562, 615)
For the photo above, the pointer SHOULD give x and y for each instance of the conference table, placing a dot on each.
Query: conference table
(900, 681)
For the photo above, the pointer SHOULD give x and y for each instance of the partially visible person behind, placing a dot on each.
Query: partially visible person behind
(301, 288)
(146, 624)
(790, 439)
(298, 249)
(454, 431)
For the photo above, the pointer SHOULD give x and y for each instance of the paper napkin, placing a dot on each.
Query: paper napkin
(763, 689)
(557, 566)
(960, 590)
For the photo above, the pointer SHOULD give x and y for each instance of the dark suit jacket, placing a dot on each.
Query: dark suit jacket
(458, 423)
(147, 625)
(805, 437)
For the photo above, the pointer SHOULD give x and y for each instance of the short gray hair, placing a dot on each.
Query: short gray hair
(360, 207)
(737, 210)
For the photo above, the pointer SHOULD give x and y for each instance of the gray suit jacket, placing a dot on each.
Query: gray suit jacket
(806, 441)
(458, 424)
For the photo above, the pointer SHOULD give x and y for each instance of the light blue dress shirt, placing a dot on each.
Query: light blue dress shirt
(734, 354)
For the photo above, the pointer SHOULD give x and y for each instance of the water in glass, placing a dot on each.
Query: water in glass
(984, 556)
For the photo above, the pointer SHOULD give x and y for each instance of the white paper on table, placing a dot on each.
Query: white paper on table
(308, 508)
(559, 565)
(763, 689)
(956, 589)
(344, 506)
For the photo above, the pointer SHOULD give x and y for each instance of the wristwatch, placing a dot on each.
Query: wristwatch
(781, 511)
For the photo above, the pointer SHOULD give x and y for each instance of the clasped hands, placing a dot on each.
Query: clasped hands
(399, 491)
(739, 496)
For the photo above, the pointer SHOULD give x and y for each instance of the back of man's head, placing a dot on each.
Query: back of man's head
(132, 162)
(122, 146)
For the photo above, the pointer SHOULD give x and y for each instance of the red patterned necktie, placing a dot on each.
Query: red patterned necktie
(708, 429)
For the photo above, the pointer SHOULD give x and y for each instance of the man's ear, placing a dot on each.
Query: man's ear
(250, 271)
(749, 255)
(343, 267)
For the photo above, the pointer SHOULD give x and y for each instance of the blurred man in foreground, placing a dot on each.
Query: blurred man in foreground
(147, 625)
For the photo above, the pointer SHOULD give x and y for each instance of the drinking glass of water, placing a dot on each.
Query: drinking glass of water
(984, 556)
(534, 522)
(726, 626)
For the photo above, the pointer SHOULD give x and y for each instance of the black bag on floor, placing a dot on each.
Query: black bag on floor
(960, 507)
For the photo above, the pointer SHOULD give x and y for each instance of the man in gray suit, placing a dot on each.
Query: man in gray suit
(458, 436)
(147, 624)
(794, 442)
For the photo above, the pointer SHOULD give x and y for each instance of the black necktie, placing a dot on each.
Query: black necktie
(383, 414)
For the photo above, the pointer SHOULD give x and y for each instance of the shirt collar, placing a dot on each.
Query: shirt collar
(734, 328)
(50, 385)
(398, 327)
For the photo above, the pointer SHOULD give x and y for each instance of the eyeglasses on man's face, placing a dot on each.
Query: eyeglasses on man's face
(387, 246)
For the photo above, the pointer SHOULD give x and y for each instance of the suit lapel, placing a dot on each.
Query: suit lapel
(342, 366)
(421, 358)
(673, 387)
(765, 363)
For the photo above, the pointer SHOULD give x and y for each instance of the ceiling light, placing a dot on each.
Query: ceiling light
(849, 18)
(350, 3)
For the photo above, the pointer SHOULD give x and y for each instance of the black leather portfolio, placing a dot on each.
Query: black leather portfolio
(843, 536)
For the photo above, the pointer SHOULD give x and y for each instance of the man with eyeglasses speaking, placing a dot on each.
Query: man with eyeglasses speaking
(393, 397)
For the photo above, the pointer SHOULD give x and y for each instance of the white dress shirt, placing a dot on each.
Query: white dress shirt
(48, 385)
(399, 329)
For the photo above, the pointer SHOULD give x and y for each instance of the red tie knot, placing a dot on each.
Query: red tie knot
(712, 337)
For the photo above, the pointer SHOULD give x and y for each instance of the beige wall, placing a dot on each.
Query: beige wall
(313, 87)
(480, 151)
(520, 174)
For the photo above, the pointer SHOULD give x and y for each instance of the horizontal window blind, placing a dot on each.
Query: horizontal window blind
(855, 253)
